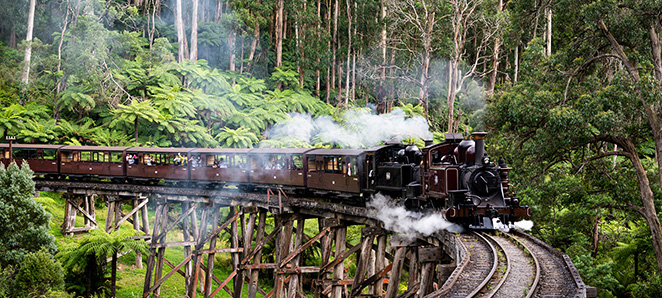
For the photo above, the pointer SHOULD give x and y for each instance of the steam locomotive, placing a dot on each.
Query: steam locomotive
(455, 177)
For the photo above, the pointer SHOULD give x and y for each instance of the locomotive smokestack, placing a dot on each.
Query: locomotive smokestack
(479, 138)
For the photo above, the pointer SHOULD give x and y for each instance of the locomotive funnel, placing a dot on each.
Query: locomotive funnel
(479, 138)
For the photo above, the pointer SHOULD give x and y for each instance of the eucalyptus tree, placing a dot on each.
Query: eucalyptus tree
(607, 101)
(414, 24)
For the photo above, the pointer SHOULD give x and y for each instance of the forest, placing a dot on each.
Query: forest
(570, 92)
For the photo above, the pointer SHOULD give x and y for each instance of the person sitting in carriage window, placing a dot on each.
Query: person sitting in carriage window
(148, 160)
(222, 163)
(194, 162)
(130, 159)
(178, 160)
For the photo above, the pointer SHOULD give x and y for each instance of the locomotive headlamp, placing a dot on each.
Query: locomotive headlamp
(486, 160)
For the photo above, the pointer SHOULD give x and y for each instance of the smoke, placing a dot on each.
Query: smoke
(412, 224)
(524, 224)
(357, 129)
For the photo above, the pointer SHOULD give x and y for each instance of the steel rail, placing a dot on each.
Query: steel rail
(536, 280)
(492, 271)
(505, 274)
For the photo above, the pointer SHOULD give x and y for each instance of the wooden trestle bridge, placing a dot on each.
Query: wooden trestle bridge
(434, 265)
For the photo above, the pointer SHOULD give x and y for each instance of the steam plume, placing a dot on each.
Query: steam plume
(412, 224)
(359, 128)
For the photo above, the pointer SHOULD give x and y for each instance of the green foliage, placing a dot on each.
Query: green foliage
(236, 138)
(40, 273)
(85, 261)
(25, 223)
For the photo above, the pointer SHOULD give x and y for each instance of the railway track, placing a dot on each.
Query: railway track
(482, 265)
(513, 265)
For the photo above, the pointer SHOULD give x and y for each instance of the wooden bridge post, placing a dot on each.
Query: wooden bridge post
(339, 270)
(400, 245)
(71, 210)
(212, 246)
(367, 239)
(284, 243)
(239, 277)
(254, 274)
(186, 236)
(247, 233)
(295, 279)
(380, 257)
(413, 268)
(429, 256)
(152, 269)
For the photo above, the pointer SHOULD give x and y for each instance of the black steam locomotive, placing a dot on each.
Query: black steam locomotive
(455, 177)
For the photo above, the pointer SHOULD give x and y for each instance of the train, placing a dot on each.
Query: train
(455, 177)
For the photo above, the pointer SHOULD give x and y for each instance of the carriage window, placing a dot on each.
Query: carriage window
(116, 157)
(154, 159)
(26, 154)
(296, 163)
(332, 165)
(312, 166)
(91, 156)
(220, 161)
(69, 156)
(226, 161)
(50, 154)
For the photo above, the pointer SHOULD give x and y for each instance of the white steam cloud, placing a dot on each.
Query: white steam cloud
(359, 129)
(412, 224)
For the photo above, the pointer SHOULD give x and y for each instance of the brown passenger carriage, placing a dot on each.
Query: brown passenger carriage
(93, 161)
(43, 159)
(221, 165)
(153, 163)
(278, 166)
(340, 170)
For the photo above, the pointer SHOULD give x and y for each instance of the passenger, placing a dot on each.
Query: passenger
(178, 160)
(184, 160)
(194, 162)
(198, 159)
(148, 160)
(222, 163)
(130, 160)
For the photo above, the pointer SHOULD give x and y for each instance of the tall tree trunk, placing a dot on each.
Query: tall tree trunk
(232, 40)
(278, 27)
(179, 25)
(59, 83)
(381, 104)
(349, 52)
(254, 42)
(194, 32)
(329, 69)
(334, 46)
(549, 30)
(219, 11)
(12, 37)
(28, 49)
(318, 84)
(515, 79)
(495, 57)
